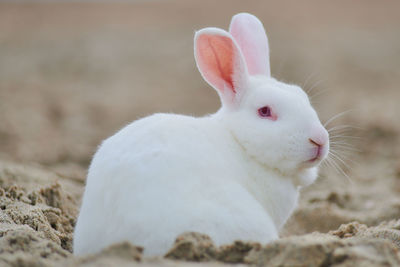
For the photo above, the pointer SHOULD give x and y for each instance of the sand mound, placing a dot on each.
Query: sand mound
(39, 208)
(37, 215)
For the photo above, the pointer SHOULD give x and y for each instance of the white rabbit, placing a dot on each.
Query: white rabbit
(233, 175)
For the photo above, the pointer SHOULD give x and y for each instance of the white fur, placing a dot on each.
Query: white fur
(231, 175)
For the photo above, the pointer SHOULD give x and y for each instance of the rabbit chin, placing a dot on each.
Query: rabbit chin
(306, 176)
(308, 170)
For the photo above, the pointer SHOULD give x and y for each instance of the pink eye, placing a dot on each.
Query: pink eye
(265, 112)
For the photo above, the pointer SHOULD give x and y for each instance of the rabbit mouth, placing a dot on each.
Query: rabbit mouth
(317, 156)
(314, 159)
(310, 163)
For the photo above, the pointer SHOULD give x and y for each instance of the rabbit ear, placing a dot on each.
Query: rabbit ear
(250, 35)
(221, 64)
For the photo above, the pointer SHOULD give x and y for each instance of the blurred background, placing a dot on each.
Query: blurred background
(72, 74)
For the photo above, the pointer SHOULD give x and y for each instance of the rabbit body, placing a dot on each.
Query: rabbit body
(233, 175)
(196, 185)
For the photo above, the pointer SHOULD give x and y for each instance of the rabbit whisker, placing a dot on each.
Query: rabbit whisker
(337, 167)
(345, 148)
(320, 92)
(337, 116)
(340, 142)
(342, 127)
(343, 154)
(335, 137)
(335, 155)
(305, 83)
(314, 86)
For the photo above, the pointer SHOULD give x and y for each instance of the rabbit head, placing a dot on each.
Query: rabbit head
(273, 122)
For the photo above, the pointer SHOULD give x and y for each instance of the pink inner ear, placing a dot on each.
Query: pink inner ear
(215, 59)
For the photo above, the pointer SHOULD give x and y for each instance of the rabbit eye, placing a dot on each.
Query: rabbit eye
(265, 112)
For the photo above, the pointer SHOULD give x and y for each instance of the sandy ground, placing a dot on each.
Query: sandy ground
(72, 74)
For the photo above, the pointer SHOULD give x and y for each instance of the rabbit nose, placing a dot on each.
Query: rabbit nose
(320, 137)
(315, 142)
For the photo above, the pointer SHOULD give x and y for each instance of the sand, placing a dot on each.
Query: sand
(39, 209)
(72, 74)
